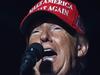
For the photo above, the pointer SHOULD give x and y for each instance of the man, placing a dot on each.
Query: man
(56, 25)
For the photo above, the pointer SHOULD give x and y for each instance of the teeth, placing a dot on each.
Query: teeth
(48, 58)
(47, 50)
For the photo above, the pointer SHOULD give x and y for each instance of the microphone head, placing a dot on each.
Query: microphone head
(35, 48)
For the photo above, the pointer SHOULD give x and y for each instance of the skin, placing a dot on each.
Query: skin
(53, 36)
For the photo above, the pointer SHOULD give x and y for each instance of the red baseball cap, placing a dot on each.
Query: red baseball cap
(62, 9)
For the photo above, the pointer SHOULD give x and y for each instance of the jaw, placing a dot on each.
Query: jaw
(41, 69)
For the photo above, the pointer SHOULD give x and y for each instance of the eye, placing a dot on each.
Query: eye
(35, 31)
(57, 28)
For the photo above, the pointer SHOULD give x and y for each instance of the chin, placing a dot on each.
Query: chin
(52, 67)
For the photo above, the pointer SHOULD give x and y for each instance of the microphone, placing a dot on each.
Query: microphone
(32, 54)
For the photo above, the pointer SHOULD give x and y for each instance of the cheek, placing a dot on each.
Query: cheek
(34, 39)
(63, 43)
(61, 39)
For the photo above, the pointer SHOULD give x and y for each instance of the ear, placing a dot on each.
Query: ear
(82, 46)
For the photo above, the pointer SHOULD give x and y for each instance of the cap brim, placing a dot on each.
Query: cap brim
(39, 17)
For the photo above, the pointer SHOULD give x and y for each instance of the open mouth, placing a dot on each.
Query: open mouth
(49, 54)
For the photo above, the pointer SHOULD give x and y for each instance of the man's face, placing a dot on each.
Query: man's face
(58, 45)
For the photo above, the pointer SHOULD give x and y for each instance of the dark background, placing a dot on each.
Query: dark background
(12, 43)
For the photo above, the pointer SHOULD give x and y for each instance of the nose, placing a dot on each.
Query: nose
(45, 36)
